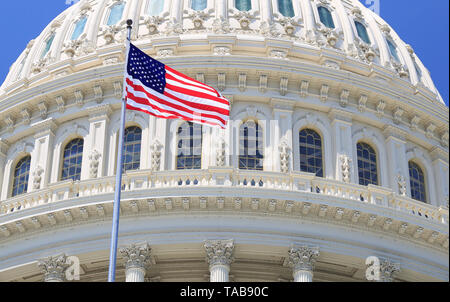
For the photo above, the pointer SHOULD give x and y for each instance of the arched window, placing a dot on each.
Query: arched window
(325, 17)
(362, 32)
(116, 13)
(393, 50)
(285, 8)
(48, 44)
(367, 164)
(311, 152)
(79, 28)
(72, 158)
(21, 175)
(132, 149)
(243, 5)
(155, 7)
(417, 182)
(198, 4)
(251, 154)
(189, 146)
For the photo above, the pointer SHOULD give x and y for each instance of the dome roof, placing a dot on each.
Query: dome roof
(287, 29)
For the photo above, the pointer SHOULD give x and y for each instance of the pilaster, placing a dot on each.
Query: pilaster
(441, 175)
(3, 149)
(99, 120)
(398, 171)
(41, 158)
(341, 126)
(281, 132)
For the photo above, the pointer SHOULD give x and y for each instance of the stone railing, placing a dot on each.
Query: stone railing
(227, 177)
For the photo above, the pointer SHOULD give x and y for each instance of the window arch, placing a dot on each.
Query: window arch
(417, 182)
(48, 44)
(251, 154)
(155, 7)
(189, 146)
(132, 149)
(243, 5)
(362, 32)
(72, 159)
(79, 28)
(325, 17)
(285, 8)
(198, 4)
(310, 144)
(115, 14)
(21, 176)
(393, 50)
(367, 164)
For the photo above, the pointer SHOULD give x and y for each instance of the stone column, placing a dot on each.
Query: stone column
(397, 163)
(440, 168)
(137, 259)
(387, 270)
(97, 143)
(41, 158)
(281, 132)
(301, 260)
(341, 124)
(219, 255)
(54, 268)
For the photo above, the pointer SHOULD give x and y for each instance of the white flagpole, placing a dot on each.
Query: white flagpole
(115, 227)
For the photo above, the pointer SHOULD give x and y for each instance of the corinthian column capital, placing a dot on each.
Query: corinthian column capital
(387, 270)
(219, 252)
(136, 255)
(54, 268)
(302, 258)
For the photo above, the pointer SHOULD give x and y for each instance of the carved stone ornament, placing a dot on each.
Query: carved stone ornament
(220, 153)
(37, 177)
(219, 252)
(401, 184)
(54, 268)
(302, 258)
(152, 23)
(388, 269)
(136, 256)
(109, 33)
(156, 155)
(284, 157)
(345, 167)
(173, 27)
(221, 26)
(94, 163)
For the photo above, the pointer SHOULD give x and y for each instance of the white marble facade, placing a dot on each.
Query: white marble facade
(287, 73)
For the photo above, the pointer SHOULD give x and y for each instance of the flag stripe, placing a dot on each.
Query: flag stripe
(158, 101)
(175, 73)
(144, 92)
(170, 115)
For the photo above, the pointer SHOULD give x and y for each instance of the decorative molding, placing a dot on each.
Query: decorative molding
(302, 258)
(54, 268)
(219, 252)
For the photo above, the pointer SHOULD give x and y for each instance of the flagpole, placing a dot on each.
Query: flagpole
(115, 226)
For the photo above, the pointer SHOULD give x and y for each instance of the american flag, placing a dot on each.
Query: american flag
(159, 90)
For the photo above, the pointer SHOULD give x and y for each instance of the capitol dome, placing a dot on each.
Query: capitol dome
(336, 150)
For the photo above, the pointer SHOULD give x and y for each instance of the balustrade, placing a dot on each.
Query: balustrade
(225, 177)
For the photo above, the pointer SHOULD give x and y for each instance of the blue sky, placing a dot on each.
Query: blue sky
(422, 24)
